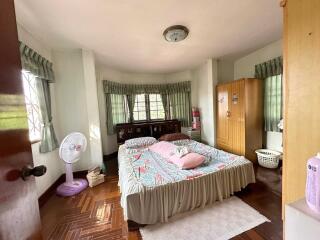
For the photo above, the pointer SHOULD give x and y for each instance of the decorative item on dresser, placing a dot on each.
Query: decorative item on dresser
(240, 117)
(154, 129)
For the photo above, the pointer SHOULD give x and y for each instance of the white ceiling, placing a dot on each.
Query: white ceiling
(127, 34)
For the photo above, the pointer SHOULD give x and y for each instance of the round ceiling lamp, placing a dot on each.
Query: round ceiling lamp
(176, 33)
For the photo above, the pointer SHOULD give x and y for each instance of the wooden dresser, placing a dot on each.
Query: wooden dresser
(154, 129)
(240, 117)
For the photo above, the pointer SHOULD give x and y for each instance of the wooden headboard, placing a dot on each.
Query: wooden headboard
(154, 129)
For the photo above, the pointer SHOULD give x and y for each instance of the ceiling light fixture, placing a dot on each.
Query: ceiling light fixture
(176, 33)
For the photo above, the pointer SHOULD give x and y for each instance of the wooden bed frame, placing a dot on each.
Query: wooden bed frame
(154, 129)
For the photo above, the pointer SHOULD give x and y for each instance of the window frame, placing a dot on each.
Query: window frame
(147, 108)
(149, 102)
(32, 91)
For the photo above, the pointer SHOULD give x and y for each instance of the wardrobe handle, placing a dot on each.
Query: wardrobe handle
(228, 113)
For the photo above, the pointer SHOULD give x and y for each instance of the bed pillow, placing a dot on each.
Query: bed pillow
(165, 149)
(189, 161)
(173, 137)
(140, 142)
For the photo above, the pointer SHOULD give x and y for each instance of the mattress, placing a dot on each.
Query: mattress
(153, 189)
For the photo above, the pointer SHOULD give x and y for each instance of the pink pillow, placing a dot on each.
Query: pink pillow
(188, 161)
(165, 149)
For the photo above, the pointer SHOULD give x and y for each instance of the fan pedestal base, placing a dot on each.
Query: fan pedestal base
(73, 188)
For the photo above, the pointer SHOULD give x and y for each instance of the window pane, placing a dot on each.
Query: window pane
(140, 97)
(153, 97)
(161, 115)
(32, 105)
(135, 115)
(141, 104)
(156, 107)
(153, 106)
(140, 107)
(159, 106)
(153, 115)
(142, 116)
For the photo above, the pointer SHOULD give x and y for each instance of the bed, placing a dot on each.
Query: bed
(153, 190)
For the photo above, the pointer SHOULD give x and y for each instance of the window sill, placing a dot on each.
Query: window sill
(148, 121)
(35, 141)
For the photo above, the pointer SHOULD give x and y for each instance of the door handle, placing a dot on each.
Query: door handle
(36, 171)
(228, 113)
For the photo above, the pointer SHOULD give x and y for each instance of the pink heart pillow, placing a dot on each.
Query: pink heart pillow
(188, 161)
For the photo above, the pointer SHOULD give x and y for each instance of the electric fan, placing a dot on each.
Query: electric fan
(71, 148)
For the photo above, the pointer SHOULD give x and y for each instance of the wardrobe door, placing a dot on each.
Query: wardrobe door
(237, 117)
(223, 136)
(301, 94)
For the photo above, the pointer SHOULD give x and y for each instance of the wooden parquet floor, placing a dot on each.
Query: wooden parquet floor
(93, 214)
(96, 213)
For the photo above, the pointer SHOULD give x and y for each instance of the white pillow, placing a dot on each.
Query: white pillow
(140, 142)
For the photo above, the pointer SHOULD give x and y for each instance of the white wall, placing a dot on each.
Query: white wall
(50, 160)
(74, 107)
(206, 78)
(75, 99)
(244, 67)
(109, 142)
(225, 70)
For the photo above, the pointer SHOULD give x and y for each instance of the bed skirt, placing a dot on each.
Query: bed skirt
(157, 204)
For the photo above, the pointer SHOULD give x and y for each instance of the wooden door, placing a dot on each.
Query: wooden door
(223, 137)
(237, 117)
(301, 93)
(19, 212)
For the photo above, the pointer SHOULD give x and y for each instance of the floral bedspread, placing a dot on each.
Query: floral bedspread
(150, 169)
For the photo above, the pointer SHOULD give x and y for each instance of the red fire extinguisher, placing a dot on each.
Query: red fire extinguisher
(196, 118)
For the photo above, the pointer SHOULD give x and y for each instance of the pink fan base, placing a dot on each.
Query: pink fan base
(70, 189)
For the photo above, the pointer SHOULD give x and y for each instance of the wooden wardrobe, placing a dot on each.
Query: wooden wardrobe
(239, 117)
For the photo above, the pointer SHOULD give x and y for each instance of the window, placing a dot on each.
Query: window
(32, 105)
(140, 110)
(148, 107)
(156, 107)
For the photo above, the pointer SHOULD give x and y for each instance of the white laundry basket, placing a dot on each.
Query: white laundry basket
(268, 158)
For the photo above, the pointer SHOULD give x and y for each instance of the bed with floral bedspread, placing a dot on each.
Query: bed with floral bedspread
(153, 189)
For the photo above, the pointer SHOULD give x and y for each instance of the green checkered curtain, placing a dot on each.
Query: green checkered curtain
(180, 106)
(33, 62)
(271, 72)
(164, 99)
(42, 69)
(117, 112)
(273, 103)
(49, 140)
(120, 100)
(131, 101)
(269, 68)
(127, 89)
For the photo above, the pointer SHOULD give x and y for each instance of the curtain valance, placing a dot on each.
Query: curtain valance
(269, 68)
(128, 89)
(35, 63)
